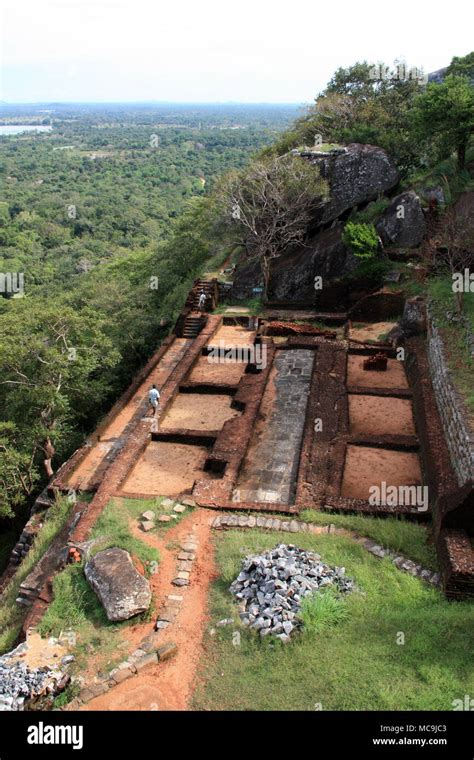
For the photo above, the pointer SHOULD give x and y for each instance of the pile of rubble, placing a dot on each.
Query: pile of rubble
(271, 586)
(23, 688)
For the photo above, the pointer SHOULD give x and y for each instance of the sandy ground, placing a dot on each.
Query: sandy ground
(198, 411)
(365, 467)
(375, 414)
(232, 335)
(166, 469)
(205, 371)
(170, 685)
(393, 377)
(371, 331)
(41, 652)
(157, 377)
(81, 476)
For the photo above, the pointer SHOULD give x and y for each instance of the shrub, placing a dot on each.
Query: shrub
(362, 239)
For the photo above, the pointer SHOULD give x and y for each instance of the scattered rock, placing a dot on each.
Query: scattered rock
(166, 503)
(149, 515)
(167, 651)
(123, 591)
(180, 582)
(224, 622)
(147, 525)
(164, 518)
(179, 508)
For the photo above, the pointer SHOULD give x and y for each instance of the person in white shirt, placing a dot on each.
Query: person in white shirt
(202, 300)
(154, 399)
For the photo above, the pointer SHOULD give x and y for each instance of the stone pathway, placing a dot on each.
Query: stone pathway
(159, 673)
(271, 465)
(297, 526)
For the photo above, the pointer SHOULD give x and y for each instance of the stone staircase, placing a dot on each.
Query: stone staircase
(193, 325)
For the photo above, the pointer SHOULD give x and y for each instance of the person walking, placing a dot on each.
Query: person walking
(154, 399)
(202, 300)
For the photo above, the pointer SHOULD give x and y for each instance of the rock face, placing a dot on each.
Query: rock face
(356, 176)
(119, 586)
(271, 586)
(403, 222)
(292, 275)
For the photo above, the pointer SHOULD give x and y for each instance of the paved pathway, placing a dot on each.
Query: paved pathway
(270, 467)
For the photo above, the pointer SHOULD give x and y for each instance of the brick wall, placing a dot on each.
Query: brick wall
(458, 432)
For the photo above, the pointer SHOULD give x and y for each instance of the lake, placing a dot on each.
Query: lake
(15, 129)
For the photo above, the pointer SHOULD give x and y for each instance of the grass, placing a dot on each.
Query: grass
(254, 305)
(75, 606)
(134, 508)
(404, 536)
(454, 336)
(446, 175)
(323, 610)
(351, 661)
(113, 529)
(11, 615)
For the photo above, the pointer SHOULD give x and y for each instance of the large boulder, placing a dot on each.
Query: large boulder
(403, 223)
(123, 591)
(292, 275)
(355, 177)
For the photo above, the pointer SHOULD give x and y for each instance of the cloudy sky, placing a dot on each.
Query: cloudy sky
(212, 50)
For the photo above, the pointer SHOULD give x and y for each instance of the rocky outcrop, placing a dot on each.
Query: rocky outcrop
(292, 275)
(123, 591)
(403, 223)
(355, 177)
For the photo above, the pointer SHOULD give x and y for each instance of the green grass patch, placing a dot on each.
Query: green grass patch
(113, 529)
(353, 660)
(323, 610)
(454, 335)
(396, 533)
(135, 508)
(11, 615)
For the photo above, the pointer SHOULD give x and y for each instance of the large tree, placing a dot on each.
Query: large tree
(271, 205)
(443, 116)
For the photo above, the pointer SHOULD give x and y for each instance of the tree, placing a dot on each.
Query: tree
(367, 104)
(444, 115)
(271, 205)
(462, 66)
(18, 475)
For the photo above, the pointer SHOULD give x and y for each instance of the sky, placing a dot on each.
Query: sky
(250, 51)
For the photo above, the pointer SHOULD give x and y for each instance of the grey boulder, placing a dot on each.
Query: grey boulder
(403, 223)
(123, 591)
(356, 176)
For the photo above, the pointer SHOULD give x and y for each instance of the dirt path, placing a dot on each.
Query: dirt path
(169, 685)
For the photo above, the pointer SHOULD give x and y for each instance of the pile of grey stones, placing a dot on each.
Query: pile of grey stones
(20, 685)
(271, 586)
